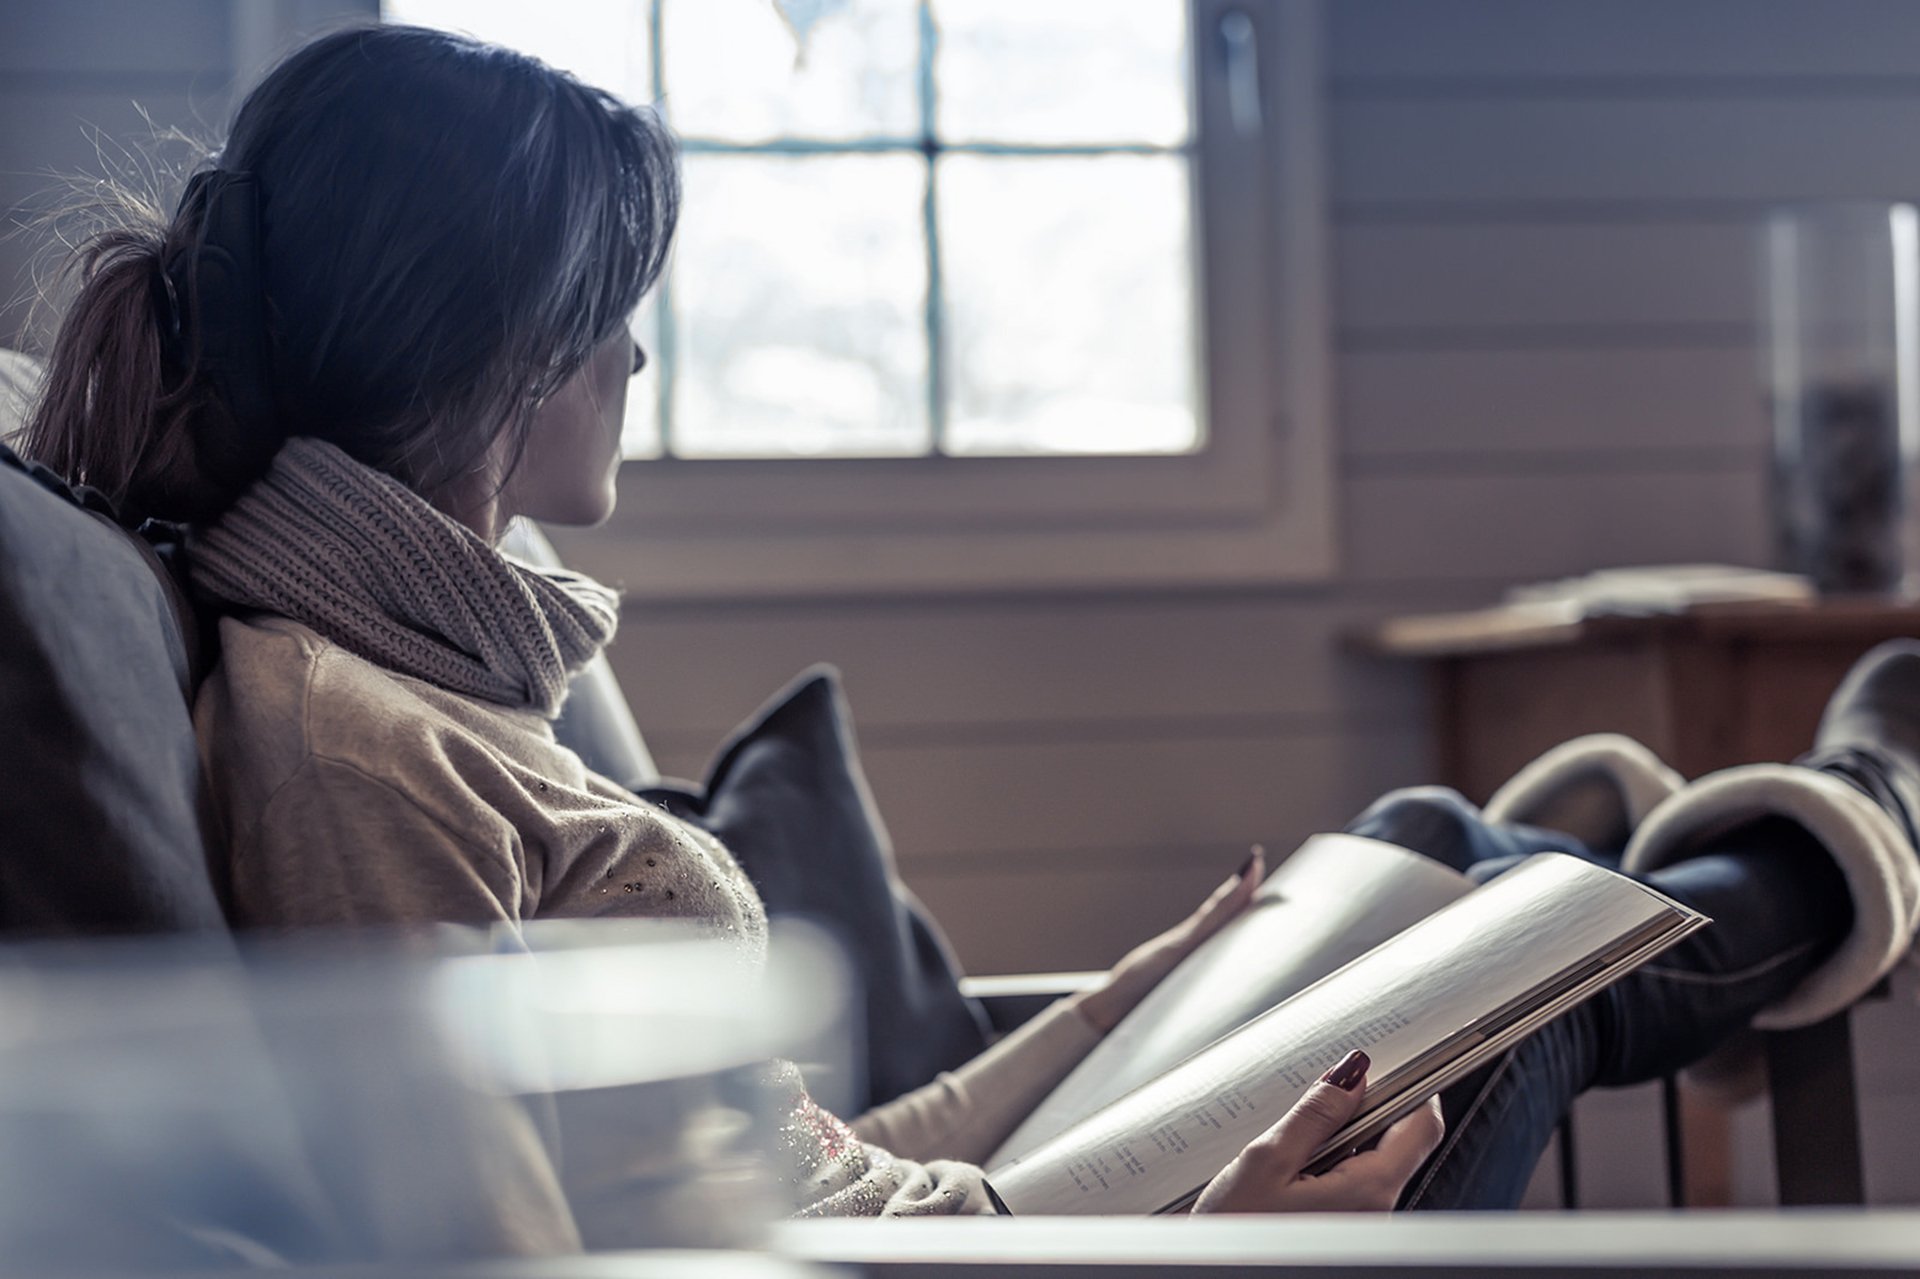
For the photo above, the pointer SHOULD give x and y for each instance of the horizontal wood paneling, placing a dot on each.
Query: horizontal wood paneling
(102, 38)
(1003, 805)
(54, 144)
(1520, 402)
(1524, 526)
(1055, 919)
(1693, 40)
(1486, 150)
(71, 74)
(1140, 795)
(1087, 666)
(52, 138)
(85, 133)
(1484, 282)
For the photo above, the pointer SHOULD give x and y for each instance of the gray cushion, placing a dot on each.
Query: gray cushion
(787, 796)
(100, 829)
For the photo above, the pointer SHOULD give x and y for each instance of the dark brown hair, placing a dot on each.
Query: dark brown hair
(447, 231)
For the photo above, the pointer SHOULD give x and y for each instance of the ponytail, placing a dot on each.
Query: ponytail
(120, 399)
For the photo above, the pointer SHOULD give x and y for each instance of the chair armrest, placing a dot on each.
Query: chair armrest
(1012, 999)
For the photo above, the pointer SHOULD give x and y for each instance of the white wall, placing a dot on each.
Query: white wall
(1543, 210)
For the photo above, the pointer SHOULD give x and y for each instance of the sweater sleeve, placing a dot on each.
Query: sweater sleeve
(833, 1173)
(966, 1113)
(336, 845)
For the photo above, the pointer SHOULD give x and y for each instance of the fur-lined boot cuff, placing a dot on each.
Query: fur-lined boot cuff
(1597, 788)
(1880, 866)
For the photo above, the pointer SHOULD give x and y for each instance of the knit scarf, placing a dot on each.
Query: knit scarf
(369, 564)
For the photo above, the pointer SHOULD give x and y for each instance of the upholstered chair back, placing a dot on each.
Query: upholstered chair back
(101, 829)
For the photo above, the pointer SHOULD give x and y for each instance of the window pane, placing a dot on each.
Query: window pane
(734, 71)
(604, 42)
(1081, 72)
(1069, 304)
(798, 293)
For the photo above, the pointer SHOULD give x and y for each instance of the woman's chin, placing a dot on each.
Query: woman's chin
(575, 510)
(591, 512)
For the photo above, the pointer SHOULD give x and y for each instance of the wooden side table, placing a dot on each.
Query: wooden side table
(1706, 688)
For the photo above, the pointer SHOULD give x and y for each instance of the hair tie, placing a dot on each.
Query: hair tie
(216, 291)
(166, 306)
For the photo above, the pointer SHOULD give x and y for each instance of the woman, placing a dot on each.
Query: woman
(394, 318)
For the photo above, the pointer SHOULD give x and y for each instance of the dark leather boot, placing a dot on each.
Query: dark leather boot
(1869, 736)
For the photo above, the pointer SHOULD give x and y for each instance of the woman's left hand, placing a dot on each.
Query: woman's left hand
(1143, 967)
(1269, 1175)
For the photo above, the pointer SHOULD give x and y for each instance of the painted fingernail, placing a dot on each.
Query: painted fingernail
(1347, 1075)
(1246, 867)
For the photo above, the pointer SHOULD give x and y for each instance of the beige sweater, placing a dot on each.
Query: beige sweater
(350, 794)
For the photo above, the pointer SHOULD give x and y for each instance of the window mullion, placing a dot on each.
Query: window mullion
(930, 226)
(667, 346)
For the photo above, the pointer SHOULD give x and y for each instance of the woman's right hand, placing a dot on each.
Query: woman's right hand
(1269, 1174)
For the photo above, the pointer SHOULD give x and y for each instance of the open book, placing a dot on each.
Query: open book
(1447, 976)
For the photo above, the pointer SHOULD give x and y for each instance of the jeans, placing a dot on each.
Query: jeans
(1780, 906)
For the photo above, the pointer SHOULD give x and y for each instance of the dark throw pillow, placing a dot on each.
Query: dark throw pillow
(100, 828)
(787, 797)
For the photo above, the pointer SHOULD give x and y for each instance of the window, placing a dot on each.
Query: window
(968, 293)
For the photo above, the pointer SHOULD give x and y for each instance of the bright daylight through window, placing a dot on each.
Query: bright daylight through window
(968, 294)
(911, 227)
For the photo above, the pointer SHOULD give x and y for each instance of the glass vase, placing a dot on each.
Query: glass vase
(1839, 348)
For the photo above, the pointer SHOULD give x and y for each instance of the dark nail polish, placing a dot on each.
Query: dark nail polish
(1347, 1075)
(1247, 865)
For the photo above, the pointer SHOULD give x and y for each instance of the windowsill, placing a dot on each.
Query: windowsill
(1271, 525)
(788, 568)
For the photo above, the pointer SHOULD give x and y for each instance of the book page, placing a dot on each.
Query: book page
(1335, 899)
(1449, 983)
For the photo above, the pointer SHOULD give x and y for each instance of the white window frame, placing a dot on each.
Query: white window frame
(1255, 506)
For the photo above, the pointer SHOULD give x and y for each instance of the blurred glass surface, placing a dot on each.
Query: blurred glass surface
(735, 71)
(1068, 71)
(170, 1105)
(1069, 328)
(607, 43)
(798, 290)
